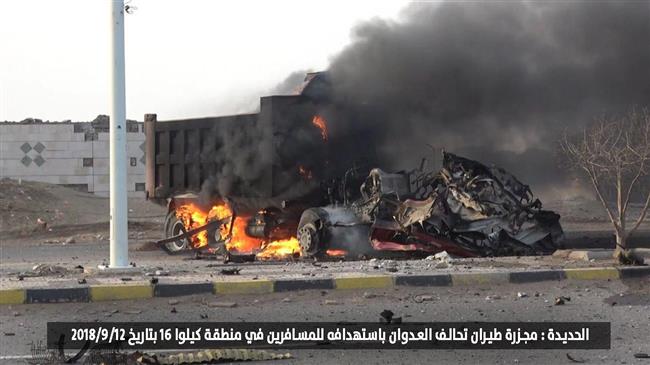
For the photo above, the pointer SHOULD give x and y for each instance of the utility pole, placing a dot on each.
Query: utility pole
(119, 246)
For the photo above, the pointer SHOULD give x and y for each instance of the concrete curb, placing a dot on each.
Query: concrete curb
(96, 293)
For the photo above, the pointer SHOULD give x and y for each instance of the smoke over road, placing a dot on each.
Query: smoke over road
(496, 81)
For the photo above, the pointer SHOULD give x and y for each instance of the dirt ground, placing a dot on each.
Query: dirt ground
(53, 214)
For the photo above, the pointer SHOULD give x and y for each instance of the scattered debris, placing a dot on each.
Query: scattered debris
(331, 302)
(443, 257)
(561, 300)
(133, 312)
(154, 281)
(641, 355)
(10, 334)
(441, 265)
(69, 241)
(82, 281)
(230, 271)
(203, 316)
(161, 273)
(229, 257)
(173, 310)
(521, 295)
(15, 314)
(126, 279)
(580, 361)
(286, 300)
(46, 269)
(387, 316)
(368, 295)
(492, 297)
(423, 298)
(41, 224)
(173, 302)
(388, 264)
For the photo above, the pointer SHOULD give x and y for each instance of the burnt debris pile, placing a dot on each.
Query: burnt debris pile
(466, 208)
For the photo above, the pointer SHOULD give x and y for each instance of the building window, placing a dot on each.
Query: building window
(132, 127)
(139, 186)
(87, 162)
(134, 161)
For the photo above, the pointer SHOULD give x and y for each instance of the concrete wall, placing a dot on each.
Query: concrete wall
(68, 154)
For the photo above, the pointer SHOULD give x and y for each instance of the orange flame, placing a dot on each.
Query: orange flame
(193, 216)
(320, 123)
(279, 249)
(305, 173)
(336, 252)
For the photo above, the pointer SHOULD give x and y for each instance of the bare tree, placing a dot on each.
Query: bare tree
(614, 153)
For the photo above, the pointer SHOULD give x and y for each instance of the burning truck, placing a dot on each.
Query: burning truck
(244, 184)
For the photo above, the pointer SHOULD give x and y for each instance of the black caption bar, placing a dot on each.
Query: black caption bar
(324, 335)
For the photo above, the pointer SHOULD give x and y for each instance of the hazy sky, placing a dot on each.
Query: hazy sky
(183, 58)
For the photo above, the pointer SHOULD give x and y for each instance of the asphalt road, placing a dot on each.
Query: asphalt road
(590, 301)
(21, 254)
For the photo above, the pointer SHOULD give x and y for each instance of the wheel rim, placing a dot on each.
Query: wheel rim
(308, 238)
(180, 244)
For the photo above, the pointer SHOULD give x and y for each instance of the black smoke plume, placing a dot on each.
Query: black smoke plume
(495, 81)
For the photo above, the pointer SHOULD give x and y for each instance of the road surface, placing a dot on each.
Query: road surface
(626, 304)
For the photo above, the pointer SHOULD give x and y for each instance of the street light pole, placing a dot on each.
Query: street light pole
(119, 256)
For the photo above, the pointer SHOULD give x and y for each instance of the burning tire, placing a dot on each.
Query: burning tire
(311, 233)
(174, 227)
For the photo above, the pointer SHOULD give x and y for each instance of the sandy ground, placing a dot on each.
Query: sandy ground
(65, 212)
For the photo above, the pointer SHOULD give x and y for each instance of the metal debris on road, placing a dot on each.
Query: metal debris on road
(387, 316)
(230, 271)
(561, 300)
(580, 361)
(423, 298)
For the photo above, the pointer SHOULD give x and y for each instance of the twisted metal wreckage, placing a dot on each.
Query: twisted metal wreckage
(466, 209)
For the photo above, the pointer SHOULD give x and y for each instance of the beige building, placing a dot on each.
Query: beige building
(70, 154)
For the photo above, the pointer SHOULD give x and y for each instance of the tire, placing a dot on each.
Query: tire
(310, 234)
(173, 227)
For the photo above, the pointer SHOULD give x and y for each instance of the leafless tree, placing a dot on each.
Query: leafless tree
(614, 153)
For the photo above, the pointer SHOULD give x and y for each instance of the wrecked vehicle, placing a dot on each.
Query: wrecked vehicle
(276, 184)
(466, 209)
